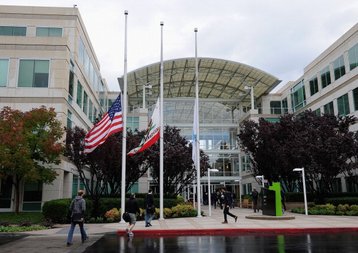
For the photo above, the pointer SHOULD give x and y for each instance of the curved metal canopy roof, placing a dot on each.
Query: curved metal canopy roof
(218, 78)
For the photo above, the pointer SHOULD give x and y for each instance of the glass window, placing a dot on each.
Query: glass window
(353, 57)
(32, 196)
(343, 105)
(317, 112)
(328, 108)
(33, 73)
(284, 105)
(12, 31)
(275, 107)
(48, 32)
(355, 99)
(79, 94)
(245, 163)
(313, 85)
(6, 192)
(298, 96)
(338, 66)
(69, 119)
(352, 183)
(85, 103)
(4, 69)
(325, 77)
(70, 86)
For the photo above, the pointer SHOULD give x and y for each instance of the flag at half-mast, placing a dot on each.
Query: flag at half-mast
(110, 123)
(152, 134)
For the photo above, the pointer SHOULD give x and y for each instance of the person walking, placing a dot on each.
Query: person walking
(226, 206)
(149, 209)
(255, 197)
(77, 208)
(132, 209)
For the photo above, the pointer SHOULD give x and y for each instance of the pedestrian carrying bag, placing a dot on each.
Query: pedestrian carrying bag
(126, 217)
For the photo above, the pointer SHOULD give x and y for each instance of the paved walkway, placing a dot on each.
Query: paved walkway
(54, 240)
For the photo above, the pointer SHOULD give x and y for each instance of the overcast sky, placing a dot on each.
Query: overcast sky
(277, 36)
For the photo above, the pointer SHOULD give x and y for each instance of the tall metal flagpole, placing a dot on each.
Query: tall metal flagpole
(197, 162)
(161, 169)
(124, 119)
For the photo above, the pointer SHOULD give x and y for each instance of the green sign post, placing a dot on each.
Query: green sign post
(278, 204)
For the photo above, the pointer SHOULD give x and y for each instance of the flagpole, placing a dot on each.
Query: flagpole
(124, 118)
(197, 162)
(161, 169)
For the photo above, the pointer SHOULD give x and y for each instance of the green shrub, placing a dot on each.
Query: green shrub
(57, 210)
(342, 200)
(183, 211)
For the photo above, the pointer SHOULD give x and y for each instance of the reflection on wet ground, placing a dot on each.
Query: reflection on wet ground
(315, 242)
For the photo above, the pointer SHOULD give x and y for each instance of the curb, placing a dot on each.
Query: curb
(237, 231)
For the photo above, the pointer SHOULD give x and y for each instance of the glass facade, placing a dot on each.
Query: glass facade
(355, 99)
(32, 197)
(218, 123)
(33, 73)
(79, 94)
(4, 70)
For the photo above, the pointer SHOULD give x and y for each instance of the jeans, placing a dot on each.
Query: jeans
(72, 229)
(148, 217)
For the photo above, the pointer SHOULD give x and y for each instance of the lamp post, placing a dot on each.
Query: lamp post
(251, 88)
(262, 180)
(209, 190)
(145, 86)
(304, 186)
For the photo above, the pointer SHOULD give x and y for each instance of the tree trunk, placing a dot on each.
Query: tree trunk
(17, 193)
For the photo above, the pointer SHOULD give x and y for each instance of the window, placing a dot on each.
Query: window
(245, 163)
(284, 105)
(352, 183)
(298, 96)
(328, 108)
(85, 103)
(353, 57)
(338, 66)
(313, 86)
(275, 107)
(33, 73)
(79, 94)
(70, 86)
(6, 192)
(355, 99)
(343, 105)
(317, 112)
(4, 69)
(32, 197)
(69, 119)
(12, 31)
(90, 110)
(325, 77)
(48, 32)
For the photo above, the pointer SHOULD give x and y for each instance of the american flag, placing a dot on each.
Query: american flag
(111, 123)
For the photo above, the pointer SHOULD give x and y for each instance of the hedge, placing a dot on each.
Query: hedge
(58, 210)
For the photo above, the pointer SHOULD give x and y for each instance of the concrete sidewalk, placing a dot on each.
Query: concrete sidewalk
(54, 240)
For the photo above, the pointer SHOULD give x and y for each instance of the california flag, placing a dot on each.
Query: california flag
(152, 134)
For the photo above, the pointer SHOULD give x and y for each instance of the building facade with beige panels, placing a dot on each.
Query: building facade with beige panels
(46, 59)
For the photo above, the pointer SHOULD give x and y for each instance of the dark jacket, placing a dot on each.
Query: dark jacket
(78, 208)
(132, 206)
(149, 203)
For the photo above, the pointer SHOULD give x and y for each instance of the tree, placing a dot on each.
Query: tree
(178, 164)
(30, 146)
(104, 164)
(323, 145)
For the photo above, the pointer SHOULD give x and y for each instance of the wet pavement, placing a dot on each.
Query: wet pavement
(316, 242)
(199, 234)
